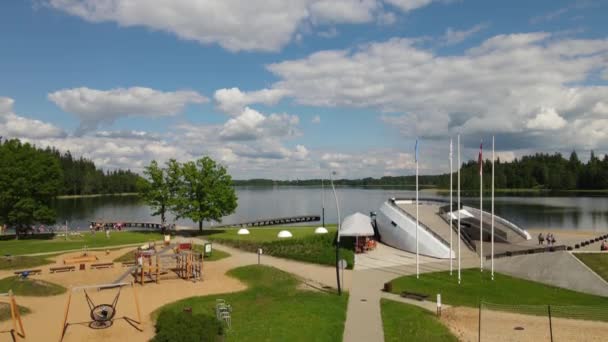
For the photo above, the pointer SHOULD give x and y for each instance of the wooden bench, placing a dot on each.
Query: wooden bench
(63, 269)
(102, 265)
(129, 263)
(414, 295)
(31, 272)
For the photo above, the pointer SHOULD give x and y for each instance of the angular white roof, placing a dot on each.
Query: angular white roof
(357, 224)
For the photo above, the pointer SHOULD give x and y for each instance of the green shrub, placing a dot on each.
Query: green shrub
(186, 327)
(318, 249)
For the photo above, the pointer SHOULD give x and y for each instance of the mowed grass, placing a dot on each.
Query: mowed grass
(5, 311)
(31, 246)
(30, 287)
(503, 290)
(400, 320)
(305, 245)
(598, 262)
(23, 262)
(274, 309)
(216, 254)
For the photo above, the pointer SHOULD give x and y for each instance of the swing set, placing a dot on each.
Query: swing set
(102, 315)
(15, 316)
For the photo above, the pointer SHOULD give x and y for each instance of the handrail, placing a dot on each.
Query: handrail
(501, 220)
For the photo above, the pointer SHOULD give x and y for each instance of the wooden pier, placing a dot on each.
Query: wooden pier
(256, 223)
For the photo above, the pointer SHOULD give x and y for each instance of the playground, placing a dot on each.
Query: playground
(112, 292)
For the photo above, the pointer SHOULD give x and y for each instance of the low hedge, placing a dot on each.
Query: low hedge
(187, 327)
(317, 249)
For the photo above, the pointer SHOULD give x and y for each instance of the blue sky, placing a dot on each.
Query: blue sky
(292, 89)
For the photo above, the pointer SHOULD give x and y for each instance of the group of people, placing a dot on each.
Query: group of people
(549, 238)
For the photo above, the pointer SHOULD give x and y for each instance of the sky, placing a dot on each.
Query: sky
(296, 89)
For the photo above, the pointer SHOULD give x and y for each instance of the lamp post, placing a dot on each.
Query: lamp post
(323, 203)
(338, 238)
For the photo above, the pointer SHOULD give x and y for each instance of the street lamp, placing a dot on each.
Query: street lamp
(338, 239)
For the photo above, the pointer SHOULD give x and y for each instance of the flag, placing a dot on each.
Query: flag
(416, 151)
(480, 159)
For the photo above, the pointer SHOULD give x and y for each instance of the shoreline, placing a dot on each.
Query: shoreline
(97, 195)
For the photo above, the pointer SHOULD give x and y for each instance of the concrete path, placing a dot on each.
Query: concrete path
(363, 317)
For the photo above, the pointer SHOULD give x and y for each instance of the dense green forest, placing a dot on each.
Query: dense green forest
(78, 176)
(539, 171)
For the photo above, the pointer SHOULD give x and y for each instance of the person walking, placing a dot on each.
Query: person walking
(541, 238)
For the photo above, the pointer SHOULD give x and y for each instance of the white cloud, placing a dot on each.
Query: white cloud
(94, 107)
(452, 36)
(232, 101)
(331, 33)
(15, 126)
(386, 18)
(409, 5)
(497, 86)
(546, 119)
(343, 11)
(316, 119)
(251, 124)
(235, 25)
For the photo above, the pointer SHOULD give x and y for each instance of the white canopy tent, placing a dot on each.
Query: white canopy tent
(357, 225)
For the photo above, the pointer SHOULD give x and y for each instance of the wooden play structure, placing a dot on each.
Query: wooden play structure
(152, 266)
(15, 315)
(102, 316)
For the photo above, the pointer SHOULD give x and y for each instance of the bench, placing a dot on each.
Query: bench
(102, 265)
(31, 272)
(63, 269)
(414, 295)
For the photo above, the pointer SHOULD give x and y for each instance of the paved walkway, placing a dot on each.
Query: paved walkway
(363, 317)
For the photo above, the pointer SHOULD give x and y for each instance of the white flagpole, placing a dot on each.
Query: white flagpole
(481, 207)
(417, 262)
(451, 209)
(458, 208)
(493, 207)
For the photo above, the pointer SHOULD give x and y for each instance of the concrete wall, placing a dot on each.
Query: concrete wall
(560, 269)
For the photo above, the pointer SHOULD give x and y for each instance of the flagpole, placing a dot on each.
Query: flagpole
(417, 261)
(323, 202)
(458, 208)
(451, 209)
(481, 207)
(493, 207)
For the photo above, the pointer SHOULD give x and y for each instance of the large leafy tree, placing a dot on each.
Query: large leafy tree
(205, 192)
(29, 180)
(158, 187)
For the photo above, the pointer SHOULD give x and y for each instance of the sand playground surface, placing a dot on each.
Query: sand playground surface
(44, 323)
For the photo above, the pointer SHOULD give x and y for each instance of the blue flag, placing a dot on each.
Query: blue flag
(416, 151)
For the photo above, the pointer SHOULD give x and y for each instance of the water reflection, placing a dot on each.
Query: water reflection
(589, 213)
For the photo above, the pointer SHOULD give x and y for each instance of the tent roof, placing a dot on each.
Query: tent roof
(357, 224)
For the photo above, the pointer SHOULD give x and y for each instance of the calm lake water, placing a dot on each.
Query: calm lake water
(585, 213)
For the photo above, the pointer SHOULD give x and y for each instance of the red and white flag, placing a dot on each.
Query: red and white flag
(480, 160)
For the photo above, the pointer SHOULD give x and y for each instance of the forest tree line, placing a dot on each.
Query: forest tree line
(538, 171)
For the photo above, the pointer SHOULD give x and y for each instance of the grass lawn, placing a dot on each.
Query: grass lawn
(23, 262)
(598, 262)
(5, 312)
(273, 309)
(30, 246)
(305, 245)
(400, 320)
(504, 290)
(30, 287)
(216, 254)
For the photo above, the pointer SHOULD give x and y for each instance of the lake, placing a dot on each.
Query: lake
(584, 213)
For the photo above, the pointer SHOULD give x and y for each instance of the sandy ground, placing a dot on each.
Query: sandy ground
(568, 237)
(45, 321)
(502, 326)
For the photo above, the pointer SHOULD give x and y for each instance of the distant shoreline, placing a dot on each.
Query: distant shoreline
(97, 195)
